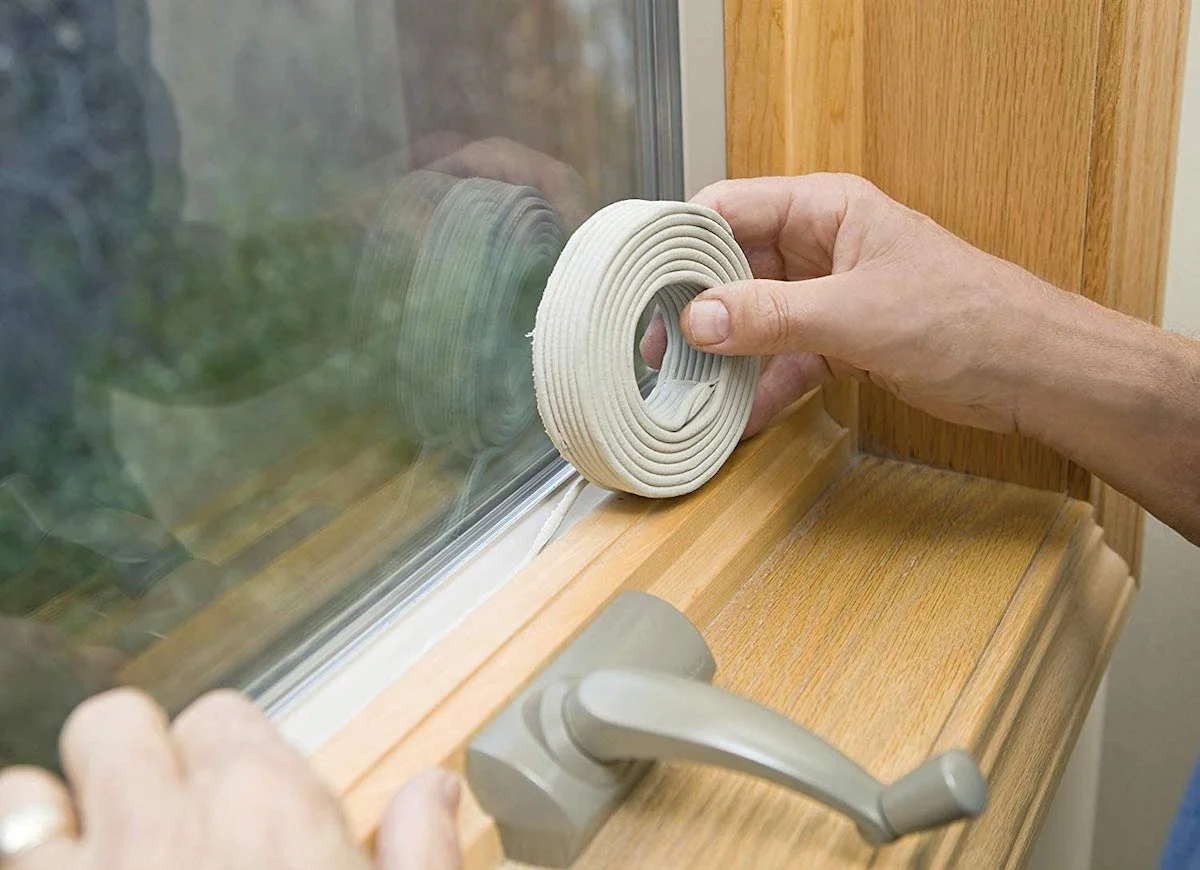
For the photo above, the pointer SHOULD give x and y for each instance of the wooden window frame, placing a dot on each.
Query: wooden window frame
(797, 85)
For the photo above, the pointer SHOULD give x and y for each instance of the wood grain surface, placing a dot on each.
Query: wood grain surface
(1042, 132)
(980, 115)
(910, 610)
(914, 610)
(1138, 92)
(795, 103)
(694, 551)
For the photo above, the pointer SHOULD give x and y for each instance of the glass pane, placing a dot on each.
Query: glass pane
(267, 268)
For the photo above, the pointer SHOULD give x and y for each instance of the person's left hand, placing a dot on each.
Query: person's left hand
(218, 789)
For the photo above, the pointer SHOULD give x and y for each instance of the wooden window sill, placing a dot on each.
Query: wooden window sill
(894, 609)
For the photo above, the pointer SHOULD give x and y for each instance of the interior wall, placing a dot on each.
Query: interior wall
(1152, 728)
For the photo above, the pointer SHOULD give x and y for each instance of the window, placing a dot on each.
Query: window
(266, 271)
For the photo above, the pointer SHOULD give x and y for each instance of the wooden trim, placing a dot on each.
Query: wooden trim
(914, 610)
(794, 93)
(1038, 680)
(693, 551)
(904, 611)
(795, 103)
(980, 115)
(1135, 136)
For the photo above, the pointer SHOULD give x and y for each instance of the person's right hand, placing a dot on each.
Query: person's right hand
(848, 281)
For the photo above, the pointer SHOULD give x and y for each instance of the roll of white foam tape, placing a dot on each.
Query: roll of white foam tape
(626, 257)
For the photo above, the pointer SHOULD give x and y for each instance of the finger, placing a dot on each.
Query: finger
(755, 208)
(37, 820)
(767, 262)
(224, 725)
(653, 345)
(800, 217)
(826, 315)
(419, 830)
(785, 379)
(266, 800)
(119, 759)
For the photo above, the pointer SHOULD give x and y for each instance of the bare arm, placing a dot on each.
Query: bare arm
(849, 282)
(1121, 398)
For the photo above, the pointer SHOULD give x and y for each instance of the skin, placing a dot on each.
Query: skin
(217, 789)
(848, 282)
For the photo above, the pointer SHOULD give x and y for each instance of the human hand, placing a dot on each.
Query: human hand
(218, 789)
(850, 282)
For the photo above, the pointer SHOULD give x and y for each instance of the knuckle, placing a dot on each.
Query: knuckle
(865, 197)
(285, 791)
(772, 316)
(856, 191)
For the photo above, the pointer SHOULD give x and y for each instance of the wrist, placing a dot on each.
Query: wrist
(1087, 365)
(1121, 398)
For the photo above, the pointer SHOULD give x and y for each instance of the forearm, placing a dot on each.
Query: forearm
(1121, 398)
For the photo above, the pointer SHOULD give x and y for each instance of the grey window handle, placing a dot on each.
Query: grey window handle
(634, 688)
(623, 714)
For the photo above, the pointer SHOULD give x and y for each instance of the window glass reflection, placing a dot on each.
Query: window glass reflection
(267, 269)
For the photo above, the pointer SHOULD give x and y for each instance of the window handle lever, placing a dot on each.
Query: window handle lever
(625, 714)
(634, 687)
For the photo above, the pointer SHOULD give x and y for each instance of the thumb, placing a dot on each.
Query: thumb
(419, 829)
(772, 317)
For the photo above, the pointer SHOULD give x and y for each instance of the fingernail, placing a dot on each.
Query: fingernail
(708, 321)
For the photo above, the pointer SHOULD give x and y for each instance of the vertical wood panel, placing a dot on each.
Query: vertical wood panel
(1132, 178)
(980, 115)
(794, 94)
(1042, 132)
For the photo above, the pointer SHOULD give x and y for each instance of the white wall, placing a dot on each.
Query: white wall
(1152, 729)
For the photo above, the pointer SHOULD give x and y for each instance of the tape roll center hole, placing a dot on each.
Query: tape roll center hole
(687, 378)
